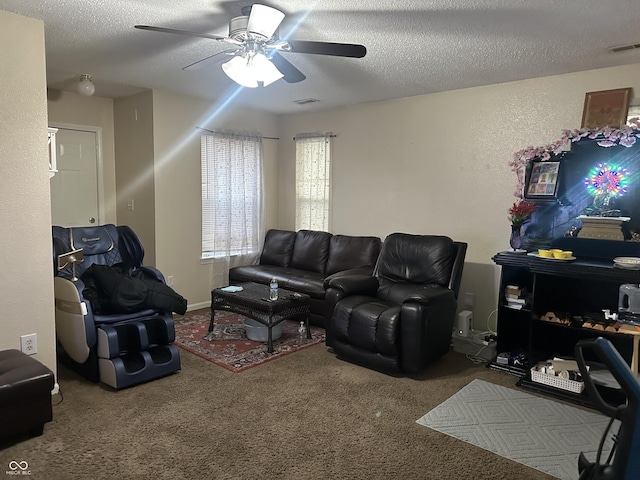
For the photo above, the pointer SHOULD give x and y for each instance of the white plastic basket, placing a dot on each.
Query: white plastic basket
(556, 381)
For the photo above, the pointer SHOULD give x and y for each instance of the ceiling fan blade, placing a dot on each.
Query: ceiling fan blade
(179, 32)
(210, 60)
(328, 48)
(264, 20)
(291, 73)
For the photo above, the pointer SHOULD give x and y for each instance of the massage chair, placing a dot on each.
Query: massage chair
(120, 348)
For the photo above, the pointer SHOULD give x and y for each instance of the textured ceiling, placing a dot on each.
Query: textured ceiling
(414, 47)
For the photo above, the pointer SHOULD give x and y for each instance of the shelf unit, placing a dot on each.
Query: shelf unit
(583, 287)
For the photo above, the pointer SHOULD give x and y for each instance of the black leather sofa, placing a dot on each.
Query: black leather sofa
(305, 261)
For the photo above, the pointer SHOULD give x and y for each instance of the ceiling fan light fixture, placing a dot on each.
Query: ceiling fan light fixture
(85, 85)
(254, 33)
(265, 71)
(249, 69)
(238, 70)
(264, 21)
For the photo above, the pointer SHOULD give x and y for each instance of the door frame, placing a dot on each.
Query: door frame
(99, 163)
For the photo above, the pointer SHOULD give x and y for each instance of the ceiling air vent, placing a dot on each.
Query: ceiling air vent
(306, 101)
(622, 48)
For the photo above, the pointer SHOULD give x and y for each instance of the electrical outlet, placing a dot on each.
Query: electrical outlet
(170, 280)
(29, 344)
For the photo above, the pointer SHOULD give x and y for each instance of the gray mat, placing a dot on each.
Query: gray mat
(535, 431)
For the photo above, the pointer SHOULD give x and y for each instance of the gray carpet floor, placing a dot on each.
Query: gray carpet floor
(307, 415)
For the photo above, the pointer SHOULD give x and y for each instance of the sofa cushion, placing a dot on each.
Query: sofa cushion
(346, 253)
(256, 273)
(304, 281)
(278, 248)
(311, 250)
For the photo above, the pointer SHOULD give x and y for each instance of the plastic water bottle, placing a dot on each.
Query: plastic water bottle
(273, 289)
(302, 333)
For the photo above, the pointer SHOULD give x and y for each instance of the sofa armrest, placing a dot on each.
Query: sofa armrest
(355, 284)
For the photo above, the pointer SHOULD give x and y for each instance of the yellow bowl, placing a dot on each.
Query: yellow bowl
(562, 254)
(545, 253)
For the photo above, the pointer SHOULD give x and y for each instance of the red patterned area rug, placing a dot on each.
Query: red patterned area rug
(230, 347)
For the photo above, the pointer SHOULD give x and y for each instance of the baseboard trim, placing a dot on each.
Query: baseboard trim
(198, 306)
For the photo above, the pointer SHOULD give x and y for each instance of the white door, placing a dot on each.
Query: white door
(74, 188)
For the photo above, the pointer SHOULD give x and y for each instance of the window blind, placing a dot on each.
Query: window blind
(313, 181)
(232, 193)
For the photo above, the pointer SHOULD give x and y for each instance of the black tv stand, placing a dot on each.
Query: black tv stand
(577, 289)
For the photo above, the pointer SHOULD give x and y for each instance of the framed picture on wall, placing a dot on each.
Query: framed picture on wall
(542, 181)
(607, 108)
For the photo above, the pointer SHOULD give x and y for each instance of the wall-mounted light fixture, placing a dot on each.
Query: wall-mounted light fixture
(85, 85)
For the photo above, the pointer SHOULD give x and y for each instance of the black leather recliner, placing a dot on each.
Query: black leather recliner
(400, 319)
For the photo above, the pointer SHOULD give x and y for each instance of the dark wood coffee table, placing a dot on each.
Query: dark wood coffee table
(253, 301)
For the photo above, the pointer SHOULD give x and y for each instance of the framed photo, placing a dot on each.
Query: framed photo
(542, 181)
(606, 108)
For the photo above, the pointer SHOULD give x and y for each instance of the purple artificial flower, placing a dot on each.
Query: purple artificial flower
(627, 141)
(625, 136)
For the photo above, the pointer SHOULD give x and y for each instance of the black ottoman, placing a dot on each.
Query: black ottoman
(25, 394)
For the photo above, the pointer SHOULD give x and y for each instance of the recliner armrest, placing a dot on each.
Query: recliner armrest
(362, 271)
(355, 284)
(428, 296)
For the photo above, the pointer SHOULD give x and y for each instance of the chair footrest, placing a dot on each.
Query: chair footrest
(134, 336)
(137, 367)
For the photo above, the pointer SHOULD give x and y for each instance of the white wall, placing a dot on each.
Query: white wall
(133, 118)
(176, 145)
(437, 164)
(26, 282)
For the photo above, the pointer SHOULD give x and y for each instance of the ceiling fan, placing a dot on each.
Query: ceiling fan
(256, 47)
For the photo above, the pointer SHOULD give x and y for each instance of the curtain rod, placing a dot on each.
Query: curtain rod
(331, 135)
(213, 131)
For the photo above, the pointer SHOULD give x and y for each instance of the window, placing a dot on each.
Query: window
(232, 191)
(313, 181)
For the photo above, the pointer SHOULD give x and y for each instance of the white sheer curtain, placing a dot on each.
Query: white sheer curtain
(232, 201)
(313, 181)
